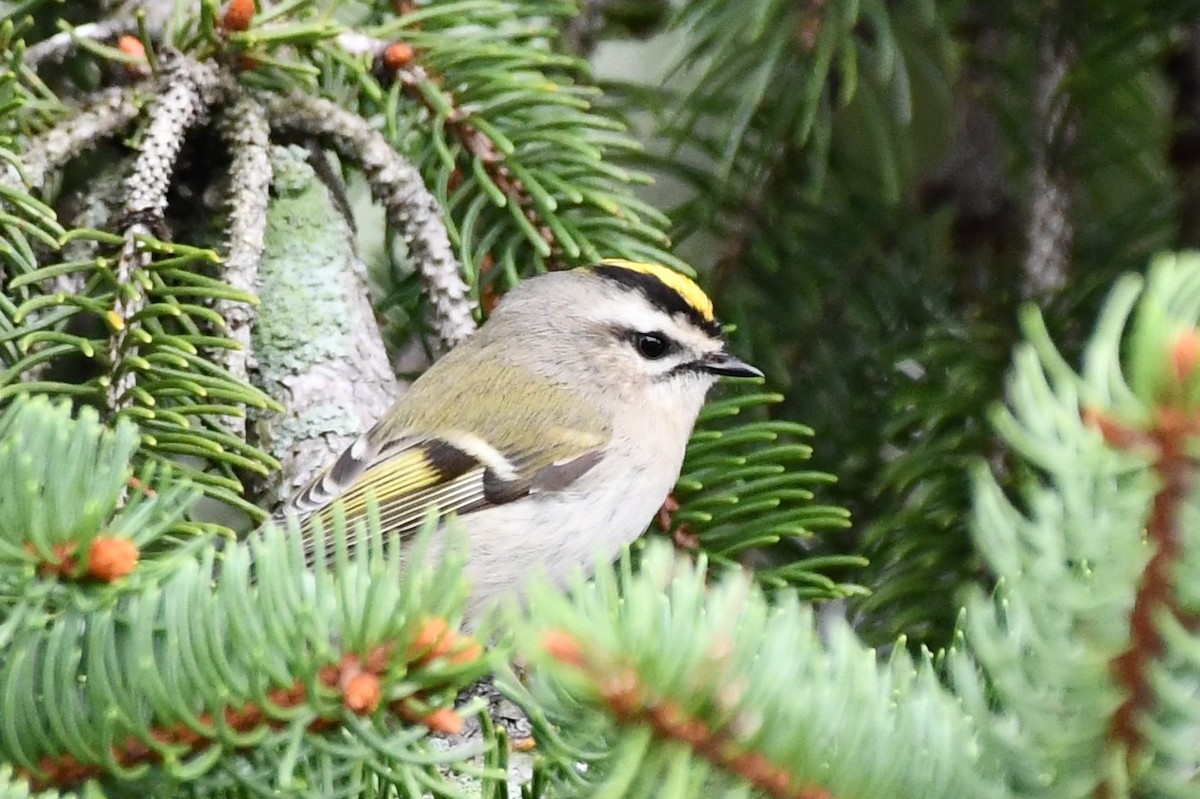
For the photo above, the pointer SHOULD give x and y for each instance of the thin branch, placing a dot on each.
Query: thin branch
(416, 80)
(396, 183)
(583, 31)
(359, 682)
(630, 701)
(396, 62)
(189, 88)
(155, 15)
(1051, 230)
(245, 129)
(63, 44)
(1156, 592)
(1169, 436)
(114, 111)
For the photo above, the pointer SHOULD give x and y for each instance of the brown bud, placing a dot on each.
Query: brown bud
(110, 559)
(1185, 354)
(131, 46)
(468, 651)
(443, 720)
(398, 55)
(362, 693)
(433, 639)
(238, 15)
(563, 647)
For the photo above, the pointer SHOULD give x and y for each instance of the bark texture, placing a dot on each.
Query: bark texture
(318, 348)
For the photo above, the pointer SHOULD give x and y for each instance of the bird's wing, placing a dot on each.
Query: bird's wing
(455, 473)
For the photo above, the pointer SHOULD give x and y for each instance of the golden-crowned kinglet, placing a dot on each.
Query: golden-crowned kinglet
(554, 432)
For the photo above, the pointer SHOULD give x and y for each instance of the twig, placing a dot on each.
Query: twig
(64, 43)
(113, 112)
(245, 129)
(357, 681)
(415, 80)
(1169, 436)
(632, 702)
(154, 15)
(583, 31)
(1051, 230)
(189, 88)
(1157, 593)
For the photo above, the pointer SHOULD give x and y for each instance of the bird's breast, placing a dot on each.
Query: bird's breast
(559, 532)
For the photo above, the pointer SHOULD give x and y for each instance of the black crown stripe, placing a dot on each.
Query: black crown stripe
(659, 294)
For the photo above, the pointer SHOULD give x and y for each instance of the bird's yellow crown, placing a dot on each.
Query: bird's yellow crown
(678, 282)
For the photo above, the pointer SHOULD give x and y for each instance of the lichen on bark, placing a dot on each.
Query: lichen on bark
(318, 348)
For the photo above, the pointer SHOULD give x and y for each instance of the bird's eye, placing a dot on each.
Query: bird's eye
(651, 346)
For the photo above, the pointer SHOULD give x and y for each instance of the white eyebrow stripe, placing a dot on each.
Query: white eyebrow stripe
(644, 317)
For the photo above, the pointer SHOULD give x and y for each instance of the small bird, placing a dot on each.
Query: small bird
(554, 432)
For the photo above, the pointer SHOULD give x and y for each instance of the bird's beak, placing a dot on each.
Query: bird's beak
(722, 363)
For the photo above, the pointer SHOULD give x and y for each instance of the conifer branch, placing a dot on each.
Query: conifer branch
(189, 88)
(1080, 643)
(357, 681)
(739, 493)
(921, 537)
(247, 133)
(632, 702)
(1169, 436)
(51, 561)
(64, 43)
(1051, 230)
(170, 665)
(111, 113)
(686, 673)
(738, 83)
(421, 85)
(1156, 591)
(516, 141)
